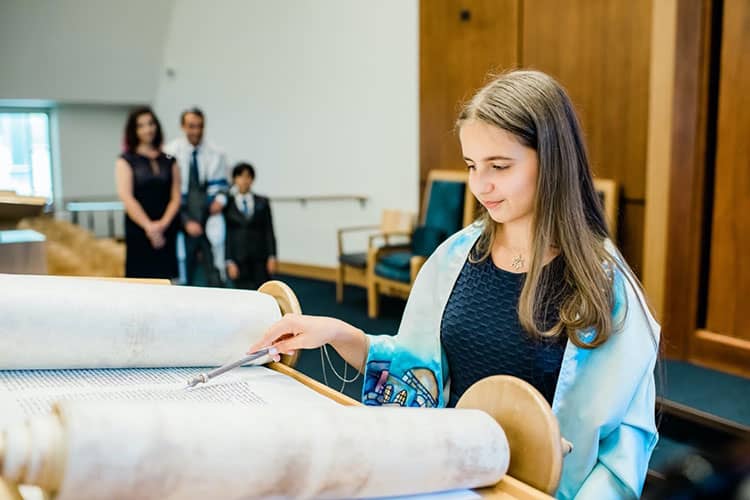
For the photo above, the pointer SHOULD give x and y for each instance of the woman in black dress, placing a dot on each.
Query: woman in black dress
(148, 183)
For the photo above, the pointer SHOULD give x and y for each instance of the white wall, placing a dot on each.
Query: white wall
(82, 51)
(90, 139)
(321, 96)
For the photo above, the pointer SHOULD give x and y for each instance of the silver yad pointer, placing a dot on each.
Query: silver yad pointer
(202, 378)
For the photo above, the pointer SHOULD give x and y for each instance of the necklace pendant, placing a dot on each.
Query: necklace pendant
(517, 262)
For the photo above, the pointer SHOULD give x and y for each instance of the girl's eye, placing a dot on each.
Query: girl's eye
(470, 167)
(500, 167)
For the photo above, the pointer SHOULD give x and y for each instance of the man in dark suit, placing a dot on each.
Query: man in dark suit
(251, 244)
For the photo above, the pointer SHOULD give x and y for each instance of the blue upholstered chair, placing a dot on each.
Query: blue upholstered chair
(448, 206)
(352, 269)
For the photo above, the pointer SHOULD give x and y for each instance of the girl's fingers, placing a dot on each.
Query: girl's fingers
(286, 326)
(292, 344)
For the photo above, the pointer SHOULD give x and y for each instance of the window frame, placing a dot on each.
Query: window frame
(48, 110)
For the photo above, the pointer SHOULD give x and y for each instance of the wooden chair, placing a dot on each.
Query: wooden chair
(352, 268)
(609, 195)
(448, 206)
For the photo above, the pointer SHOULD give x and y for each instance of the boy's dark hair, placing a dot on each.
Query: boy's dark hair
(192, 111)
(131, 136)
(243, 167)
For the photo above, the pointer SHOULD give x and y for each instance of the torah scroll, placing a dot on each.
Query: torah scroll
(172, 447)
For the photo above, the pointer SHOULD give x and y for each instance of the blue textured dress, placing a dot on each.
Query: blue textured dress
(482, 336)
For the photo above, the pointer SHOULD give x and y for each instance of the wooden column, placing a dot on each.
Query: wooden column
(599, 51)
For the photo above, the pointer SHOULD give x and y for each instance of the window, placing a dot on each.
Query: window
(25, 158)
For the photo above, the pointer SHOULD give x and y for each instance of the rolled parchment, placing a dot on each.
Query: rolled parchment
(181, 451)
(60, 322)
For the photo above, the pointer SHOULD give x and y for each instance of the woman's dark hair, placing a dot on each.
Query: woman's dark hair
(131, 137)
(243, 167)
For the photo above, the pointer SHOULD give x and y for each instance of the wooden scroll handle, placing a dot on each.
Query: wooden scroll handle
(288, 303)
(536, 449)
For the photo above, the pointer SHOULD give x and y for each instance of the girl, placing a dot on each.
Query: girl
(533, 289)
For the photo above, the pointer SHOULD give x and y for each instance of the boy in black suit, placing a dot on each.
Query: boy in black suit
(251, 244)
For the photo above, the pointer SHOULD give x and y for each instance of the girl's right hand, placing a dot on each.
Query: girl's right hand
(298, 331)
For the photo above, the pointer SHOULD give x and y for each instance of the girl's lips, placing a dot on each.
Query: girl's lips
(491, 204)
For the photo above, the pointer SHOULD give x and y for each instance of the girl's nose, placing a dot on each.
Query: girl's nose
(486, 186)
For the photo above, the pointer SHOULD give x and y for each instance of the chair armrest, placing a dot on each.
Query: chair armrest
(340, 233)
(371, 239)
(349, 229)
(415, 264)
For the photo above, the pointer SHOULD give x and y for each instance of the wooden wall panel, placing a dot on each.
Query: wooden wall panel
(599, 50)
(685, 191)
(456, 54)
(659, 149)
(729, 274)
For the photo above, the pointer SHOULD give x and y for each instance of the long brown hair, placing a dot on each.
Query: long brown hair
(567, 211)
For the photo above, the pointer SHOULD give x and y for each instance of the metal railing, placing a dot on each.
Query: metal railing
(88, 207)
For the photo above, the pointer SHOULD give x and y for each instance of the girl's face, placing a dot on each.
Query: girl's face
(502, 171)
(145, 128)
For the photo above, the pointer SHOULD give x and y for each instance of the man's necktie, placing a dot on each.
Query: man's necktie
(245, 208)
(194, 179)
(195, 195)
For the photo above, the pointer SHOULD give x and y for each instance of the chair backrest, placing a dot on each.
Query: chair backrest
(609, 195)
(448, 206)
(448, 203)
(397, 221)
